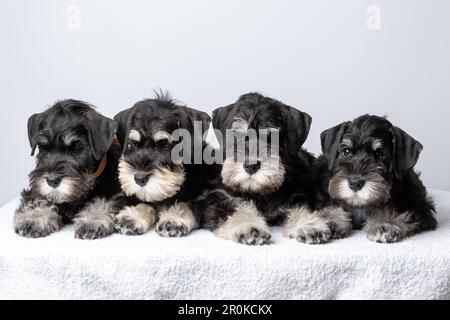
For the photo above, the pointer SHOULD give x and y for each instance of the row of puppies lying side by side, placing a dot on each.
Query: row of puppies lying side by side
(120, 175)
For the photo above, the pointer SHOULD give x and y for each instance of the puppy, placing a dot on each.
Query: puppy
(157, 189)
(256, 190)
(367, 171)
(74, 175)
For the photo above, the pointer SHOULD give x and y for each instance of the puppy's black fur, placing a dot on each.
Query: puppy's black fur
(72, 139)
(367, 168)
(241, 205)
(154, 186)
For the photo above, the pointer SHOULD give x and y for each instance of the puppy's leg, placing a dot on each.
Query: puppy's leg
(177, 221)
(36, 218)
(136, 220)
(423, 215)
(95, 220)
(306, 226)
(338, 220)
(246, 225)
(385, 225)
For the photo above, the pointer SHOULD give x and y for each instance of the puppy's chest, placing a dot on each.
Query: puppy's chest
(270, 208)
(359, 218)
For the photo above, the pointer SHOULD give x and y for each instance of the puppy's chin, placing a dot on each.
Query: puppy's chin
(70, 188)
(267, 179)
(376, 191)
(162, 184)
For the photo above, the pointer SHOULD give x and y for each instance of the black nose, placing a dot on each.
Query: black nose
(141, 179)
(53, 182)
(356, 183)
(252, 168)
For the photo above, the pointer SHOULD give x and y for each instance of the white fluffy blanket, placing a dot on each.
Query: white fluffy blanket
(205, 267)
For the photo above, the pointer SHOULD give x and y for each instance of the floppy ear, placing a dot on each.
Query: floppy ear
(101, 132)
(298, 124)
(406, 152)
(123, 120)
(222, 118)
(330, 140)
(35, 137)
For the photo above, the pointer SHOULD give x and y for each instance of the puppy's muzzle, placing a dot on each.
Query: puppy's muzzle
(53, 181)
(356, 183)
(252, 168)
(141, 179)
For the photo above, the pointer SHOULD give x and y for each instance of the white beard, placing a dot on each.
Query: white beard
(267, 179)
(163, 183)
(61, 193)
(358, 198)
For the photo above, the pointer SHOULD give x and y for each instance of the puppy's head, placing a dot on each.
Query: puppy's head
(366, 157)
(274, 130)
(146, 168)
(71, 138)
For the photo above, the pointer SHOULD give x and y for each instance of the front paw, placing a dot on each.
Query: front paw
(33, 228)
(338, 221)
(128, 226)
(253, 237)
(171, 229)
(246, 225)
(37, 220)
(135, 220)
(92, 229)
(311, 236)
(385, 233)
(176, 221)
(307, 227)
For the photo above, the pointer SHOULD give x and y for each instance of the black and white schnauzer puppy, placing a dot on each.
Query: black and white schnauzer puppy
(75, 172)
(256, 189)
(156, 187)
(367, 171)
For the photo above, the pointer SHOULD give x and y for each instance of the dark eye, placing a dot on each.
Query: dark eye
(380, 154)
(347, 152)
(75, 146)
(163, 143)
(131, 144)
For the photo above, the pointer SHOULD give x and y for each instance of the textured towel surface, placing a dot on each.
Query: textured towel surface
(205, 267)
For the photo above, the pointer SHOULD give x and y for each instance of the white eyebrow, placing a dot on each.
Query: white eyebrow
(377, 144)
(347, 142)
(160, 135)
(134, 135)
(70, 137)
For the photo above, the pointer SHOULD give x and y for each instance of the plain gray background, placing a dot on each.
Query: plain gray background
(317, 55)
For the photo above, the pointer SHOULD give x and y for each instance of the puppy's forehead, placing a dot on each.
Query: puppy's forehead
(147, 120)
(256, 115)
(65, 118)
(368, 130)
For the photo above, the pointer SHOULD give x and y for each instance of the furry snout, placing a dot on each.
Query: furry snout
(262, 175)
(160, 183)
(359, 190)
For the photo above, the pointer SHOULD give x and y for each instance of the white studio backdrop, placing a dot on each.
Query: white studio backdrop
(333, 59)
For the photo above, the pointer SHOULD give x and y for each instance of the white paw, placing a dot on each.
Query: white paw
(177, 221)
(307, 227)
(172, 229)
(384, 233)
(135, 220)
(246, 226)
(37, 220)
(95, 220)
(91, 229)
(251, 235)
